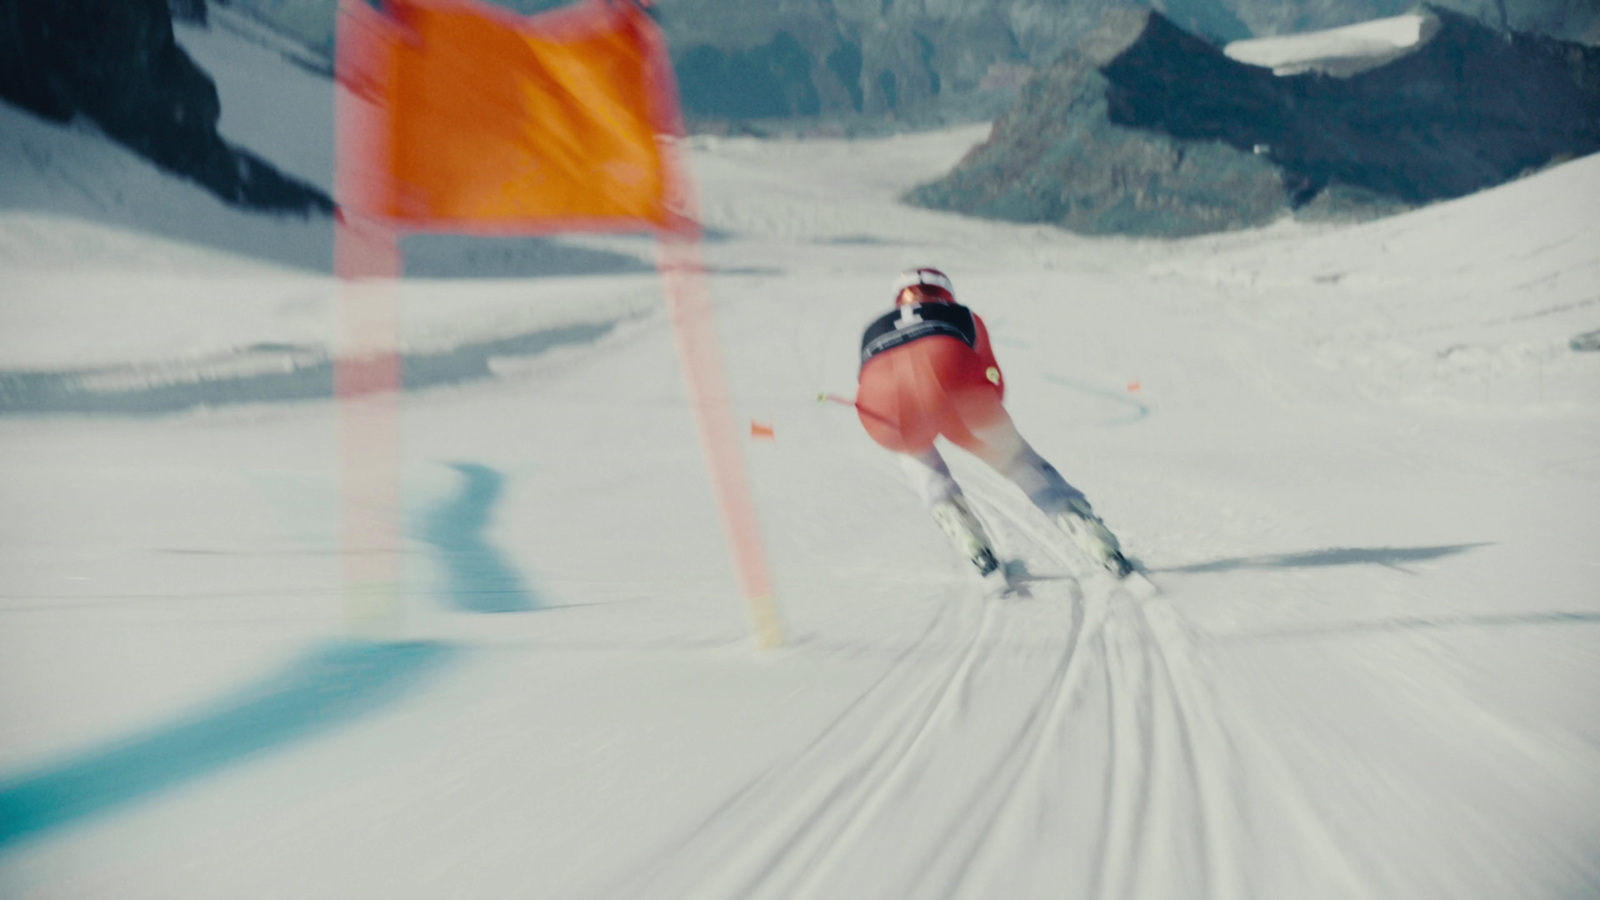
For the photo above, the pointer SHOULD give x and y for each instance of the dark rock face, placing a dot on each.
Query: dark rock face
(187, 11)
(1146, 129)
(1057, 157)
(769, 81)
(116, 63)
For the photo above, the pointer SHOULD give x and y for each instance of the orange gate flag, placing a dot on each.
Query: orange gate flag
(462, 116)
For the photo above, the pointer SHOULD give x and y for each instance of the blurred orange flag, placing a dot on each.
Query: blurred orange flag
(461, 116)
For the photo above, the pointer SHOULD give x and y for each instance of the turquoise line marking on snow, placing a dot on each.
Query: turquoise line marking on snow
(1141, 410)
(480, 577)
(327, 688)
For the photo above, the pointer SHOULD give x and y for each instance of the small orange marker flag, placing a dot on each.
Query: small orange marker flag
(1133, 386)
(758, 430)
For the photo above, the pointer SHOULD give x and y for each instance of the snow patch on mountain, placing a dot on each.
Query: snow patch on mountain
(1343, 51)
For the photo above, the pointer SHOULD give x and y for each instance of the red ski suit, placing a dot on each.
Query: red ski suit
(931, 386)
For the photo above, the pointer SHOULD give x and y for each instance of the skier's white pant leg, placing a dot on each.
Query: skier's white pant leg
(1041, 482)
(1007, 453)
(930, 476)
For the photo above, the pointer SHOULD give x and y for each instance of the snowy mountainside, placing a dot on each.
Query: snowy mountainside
(1371, 671)
(73, 175)
(283, 112)
(116, 64)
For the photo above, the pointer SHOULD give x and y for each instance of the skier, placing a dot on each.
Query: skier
(928, 371)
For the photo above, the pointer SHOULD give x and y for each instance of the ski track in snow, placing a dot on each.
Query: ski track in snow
(1108, 680)
(822, 808)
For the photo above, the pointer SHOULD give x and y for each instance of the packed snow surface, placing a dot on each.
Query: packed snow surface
(1361, 463)
(1344, 50)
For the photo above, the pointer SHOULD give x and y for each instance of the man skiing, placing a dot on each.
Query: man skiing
(928, 371)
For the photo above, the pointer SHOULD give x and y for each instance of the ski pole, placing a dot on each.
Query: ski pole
(825, 397)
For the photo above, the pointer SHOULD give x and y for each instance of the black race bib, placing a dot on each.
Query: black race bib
(918, 320)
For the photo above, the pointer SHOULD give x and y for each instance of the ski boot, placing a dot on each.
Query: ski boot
(955, 518)
(1092, 537)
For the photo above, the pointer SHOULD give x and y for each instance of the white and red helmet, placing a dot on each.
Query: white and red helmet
(926, 285)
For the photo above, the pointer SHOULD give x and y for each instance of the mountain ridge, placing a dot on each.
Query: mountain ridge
(1147, 129)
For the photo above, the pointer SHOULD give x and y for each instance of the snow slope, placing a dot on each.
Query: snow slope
(1361, 463)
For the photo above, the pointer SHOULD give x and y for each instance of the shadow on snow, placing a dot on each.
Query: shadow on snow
(1415, 623)
(265, 373)
(1390, 557)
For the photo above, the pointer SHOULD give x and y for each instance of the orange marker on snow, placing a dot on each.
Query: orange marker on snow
(758, 430)
(1133, 386)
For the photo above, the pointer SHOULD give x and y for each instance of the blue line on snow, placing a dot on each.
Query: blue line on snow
(327, 688)
(480, 577)
(1141, 409)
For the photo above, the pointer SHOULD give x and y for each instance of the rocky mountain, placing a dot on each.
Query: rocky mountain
(782, 58)
(1147, 129)
(116, 64)
(741, 60)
